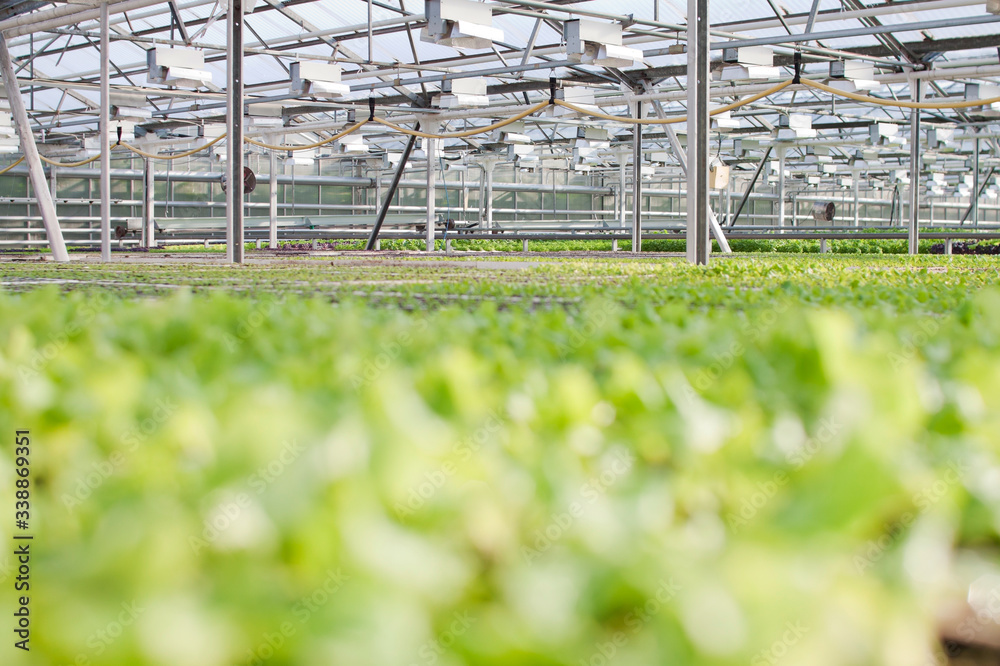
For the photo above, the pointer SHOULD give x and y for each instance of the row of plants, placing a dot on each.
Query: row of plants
(773, 460)
(856, 245)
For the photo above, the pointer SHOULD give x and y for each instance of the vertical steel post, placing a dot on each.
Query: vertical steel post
(781, 188)
(914, 229)
(36, 172)
(272, 208)
(975, 184)
(637, 182)
(430, 146)
(105, 120)
(148, 195)
(698, 81)
(622, 184)
(234, 141)
(857, 187)
(488, 167)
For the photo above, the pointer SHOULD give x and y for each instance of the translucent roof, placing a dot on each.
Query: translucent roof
(66, 63)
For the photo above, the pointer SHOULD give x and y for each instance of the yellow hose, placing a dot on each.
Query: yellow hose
(472, 132)
(868, 99)
(965, 104)
(9, 167)
(678, 119)
(186, 153)
(69, 165)
(333, 138)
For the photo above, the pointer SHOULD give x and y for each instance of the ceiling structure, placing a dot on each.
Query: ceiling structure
(950, 42)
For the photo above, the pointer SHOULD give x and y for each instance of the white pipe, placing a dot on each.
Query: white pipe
(115, 21)
(36, 172)
(766, 24)
(105, 121)
(40, 24)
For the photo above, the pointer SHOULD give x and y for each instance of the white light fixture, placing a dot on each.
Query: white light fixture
(853, 76)
(514, 137)
(129, 107)
(577, 96)
(977, 91)
(942, 138)
(461, 24)
(795, 126)
(749, 63)
(264, 122)
(516, 150)
(462, 94)
(184, 68)
(724, 122)
(317, 79)
(6, 124)
(597, 43)
(353, 143)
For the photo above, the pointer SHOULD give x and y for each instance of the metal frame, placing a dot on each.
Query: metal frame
(514, 70)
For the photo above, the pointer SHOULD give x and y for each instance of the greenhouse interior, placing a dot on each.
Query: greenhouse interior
(500, 332)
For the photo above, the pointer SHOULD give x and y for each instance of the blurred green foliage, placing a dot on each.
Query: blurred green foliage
(630, 462)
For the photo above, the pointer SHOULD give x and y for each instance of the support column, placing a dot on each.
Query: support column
(914, 229)
(622, 184)
(488, 167)
(856, 184)
(272, 208)
(637, 182)
(698, 81)
(149, 220)
(781, 188)
(234, 141)
(36, 172)
(430, 146)
(53, 186)
(975, 183)
(105, 121)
